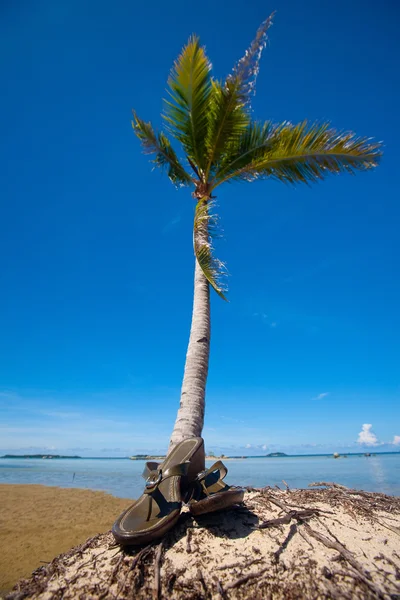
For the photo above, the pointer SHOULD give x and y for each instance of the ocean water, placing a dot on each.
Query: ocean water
(122, 477)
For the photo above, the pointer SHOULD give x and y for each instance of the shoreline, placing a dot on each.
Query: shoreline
(363, 454)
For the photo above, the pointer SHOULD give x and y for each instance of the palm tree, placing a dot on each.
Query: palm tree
(221, 143)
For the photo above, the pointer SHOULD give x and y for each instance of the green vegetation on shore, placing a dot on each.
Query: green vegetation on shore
(275, 455)
(37, 456)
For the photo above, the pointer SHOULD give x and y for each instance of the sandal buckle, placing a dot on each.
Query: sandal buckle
(152, 483)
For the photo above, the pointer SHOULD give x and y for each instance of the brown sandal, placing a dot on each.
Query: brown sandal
(159, 507)
(209, 493)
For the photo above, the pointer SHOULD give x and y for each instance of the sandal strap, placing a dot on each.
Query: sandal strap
(156, 476)
(217, 466)
(149, 467)
(204, 485)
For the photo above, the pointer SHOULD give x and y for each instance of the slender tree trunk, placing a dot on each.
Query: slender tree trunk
(190, 418)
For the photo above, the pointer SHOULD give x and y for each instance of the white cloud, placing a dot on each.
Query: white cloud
(396, 440)
(321, 396)
(264, 447)
(367, 437)
(248, 446)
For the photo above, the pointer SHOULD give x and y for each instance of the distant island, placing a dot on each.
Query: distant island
(146, 457)
(275, 455)
(37, 456)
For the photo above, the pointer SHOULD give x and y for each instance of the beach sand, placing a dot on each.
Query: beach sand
(286, 545)
(37, 523)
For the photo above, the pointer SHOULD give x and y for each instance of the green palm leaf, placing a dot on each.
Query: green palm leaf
(298, 153)
(189, 89)
(251, 146)
(228, 111)
(161, 147)
(227, 122)
(213, 269)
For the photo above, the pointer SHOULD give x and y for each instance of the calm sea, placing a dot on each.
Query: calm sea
(122, 477)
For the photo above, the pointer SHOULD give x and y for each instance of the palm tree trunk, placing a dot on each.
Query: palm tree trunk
(190, 418)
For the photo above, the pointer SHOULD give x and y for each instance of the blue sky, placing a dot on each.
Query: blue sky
(95, 249)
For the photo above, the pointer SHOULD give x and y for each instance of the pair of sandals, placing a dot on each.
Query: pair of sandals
(181, 479)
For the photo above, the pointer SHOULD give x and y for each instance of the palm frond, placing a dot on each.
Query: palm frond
(227, 122)
(246, 70)
(229, 106)
(213, 269)
(189, 89)
(300, 153)
(165, 156)
(251, 146)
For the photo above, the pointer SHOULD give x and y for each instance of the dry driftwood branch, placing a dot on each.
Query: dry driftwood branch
(335, 545)
(246, 578)
(239, 564)
(188, 536)
(202, 581)
(327, 484)
(286, 541)
(299, 515)
(141, 555)
(157, 569)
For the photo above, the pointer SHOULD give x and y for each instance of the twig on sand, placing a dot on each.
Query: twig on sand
(305, 538)
(348, 556)
(299, 515)
(140, 555)
(157, 571)
(220, 589)
(278, 503)
(239, 564)
(189, 532)
(285, 543)
(328, 484)
(391, 562)
(115, 569)
(394, 529)
(200, 577)
(246, 578)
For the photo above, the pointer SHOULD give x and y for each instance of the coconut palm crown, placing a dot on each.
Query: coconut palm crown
(220, 141)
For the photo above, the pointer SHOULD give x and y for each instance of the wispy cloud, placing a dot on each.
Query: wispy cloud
(265, 319)
(396, 440)
(367, 437)
(321, 396)
(231, 419)
(171, 224)
(60, 414)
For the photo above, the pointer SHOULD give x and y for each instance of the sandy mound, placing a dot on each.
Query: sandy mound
(319, 543)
